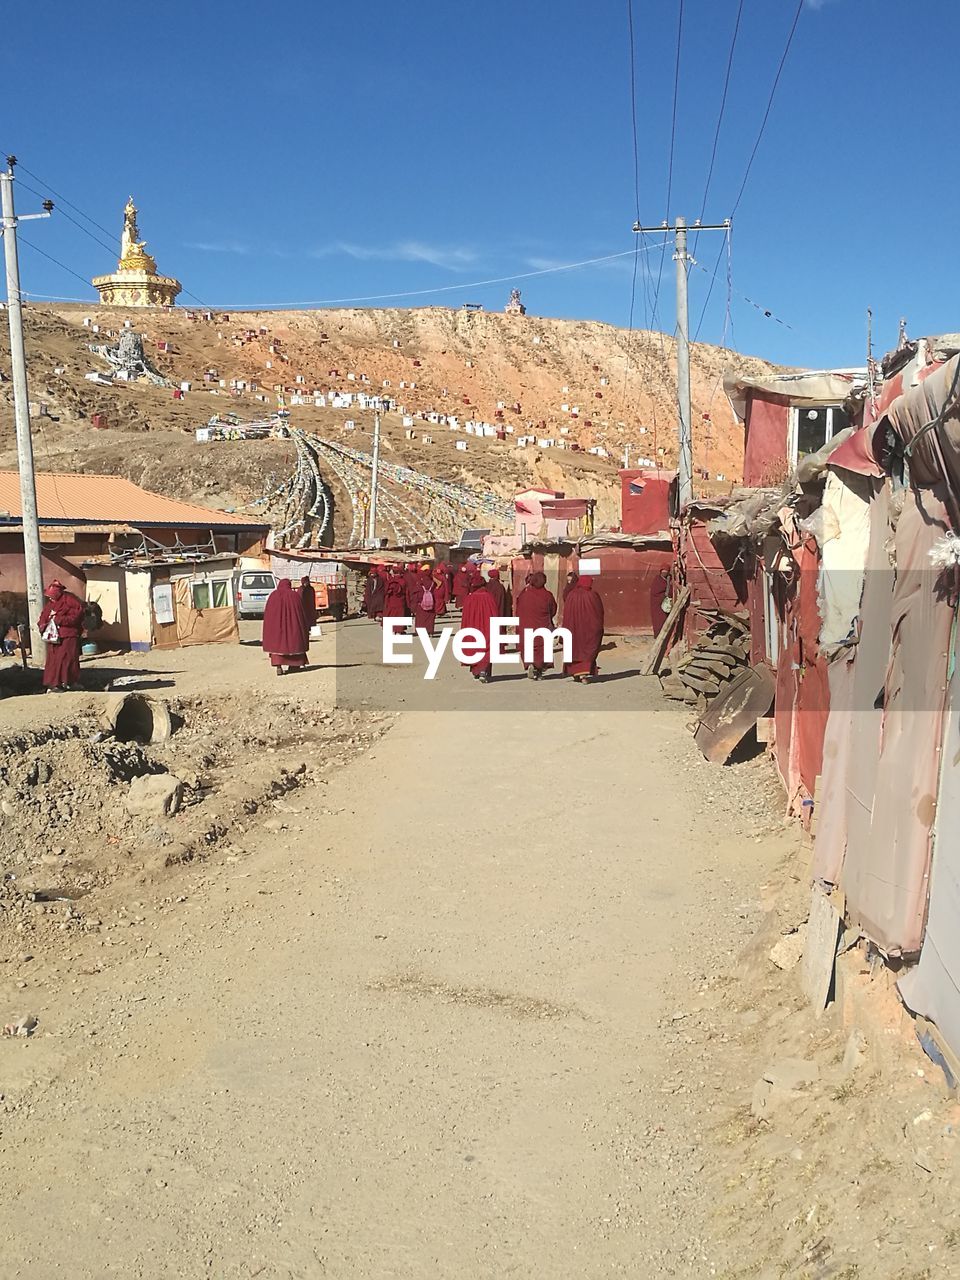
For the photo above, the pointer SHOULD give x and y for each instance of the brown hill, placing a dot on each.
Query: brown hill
(451, 361)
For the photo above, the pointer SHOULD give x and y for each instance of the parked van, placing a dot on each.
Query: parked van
(252, 588)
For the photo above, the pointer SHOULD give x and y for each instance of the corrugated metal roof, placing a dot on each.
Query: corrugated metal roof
(66, 498)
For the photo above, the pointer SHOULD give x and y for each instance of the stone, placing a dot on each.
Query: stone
(154, 795)
(792, 1073)
(855, 1052)
(786, 953)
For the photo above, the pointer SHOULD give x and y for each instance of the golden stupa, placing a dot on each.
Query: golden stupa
(135, 282)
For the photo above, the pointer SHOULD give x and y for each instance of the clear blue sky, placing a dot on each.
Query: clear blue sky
(301, 151)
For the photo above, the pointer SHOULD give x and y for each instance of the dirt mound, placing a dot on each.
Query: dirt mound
(68, 829)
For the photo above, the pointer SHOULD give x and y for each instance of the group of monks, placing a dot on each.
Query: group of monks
(426, 591)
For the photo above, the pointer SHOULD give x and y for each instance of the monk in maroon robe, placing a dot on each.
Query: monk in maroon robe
(308, 598)
(478, 610)
(63, 613)
(441, 587)
(498, 591)
(395, 596)
(374, 590)
(460, 579)
(423, 601)
(286, 635)
(536, 608)
(583, 618)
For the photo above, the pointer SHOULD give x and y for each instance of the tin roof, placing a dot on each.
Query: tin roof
(69, 498)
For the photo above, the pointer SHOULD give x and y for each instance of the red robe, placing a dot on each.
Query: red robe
(536, 607)
(460, 578)
(583, 617)
(373, 595)
(441, 590)
(62, 666)
(308, 598)
(423, 617)
(478, 610)
(499, 593)
(395, 598)
(286, 635)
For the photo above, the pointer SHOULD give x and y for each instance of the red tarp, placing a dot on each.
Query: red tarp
(765, 444)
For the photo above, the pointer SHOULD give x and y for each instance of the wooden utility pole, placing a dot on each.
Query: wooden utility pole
(684, 411)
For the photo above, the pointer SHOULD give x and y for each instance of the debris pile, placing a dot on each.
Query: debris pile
(698, 674)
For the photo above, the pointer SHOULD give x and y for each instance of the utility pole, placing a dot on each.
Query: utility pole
(684, 412)
(374, 480)
(21, 403)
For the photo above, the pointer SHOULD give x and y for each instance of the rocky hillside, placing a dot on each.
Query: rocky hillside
(576, 381)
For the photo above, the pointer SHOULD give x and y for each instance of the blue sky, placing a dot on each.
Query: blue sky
(305, 151)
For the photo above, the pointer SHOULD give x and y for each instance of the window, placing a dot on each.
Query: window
(812, 426)
(211, 593)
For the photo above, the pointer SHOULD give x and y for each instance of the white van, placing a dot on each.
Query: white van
(252, 587)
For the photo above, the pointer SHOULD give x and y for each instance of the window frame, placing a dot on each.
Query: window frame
(793, 434)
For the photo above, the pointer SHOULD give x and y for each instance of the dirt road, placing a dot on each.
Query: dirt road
(412, 1025)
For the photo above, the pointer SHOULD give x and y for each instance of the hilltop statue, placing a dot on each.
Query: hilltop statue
(131, 232)
(135, 283)
(515, 307)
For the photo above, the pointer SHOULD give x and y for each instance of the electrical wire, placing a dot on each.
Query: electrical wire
(673, 143)
(720, 115)
(21, 239)
(419, 293)
(766, 114)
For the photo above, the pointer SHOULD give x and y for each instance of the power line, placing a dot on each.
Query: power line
(766, 114)
(50, 258)
(723, 107)
(673, 142)
(419, 293)
(63, 214)
(65, 201)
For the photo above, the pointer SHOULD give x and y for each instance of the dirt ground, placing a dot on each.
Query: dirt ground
(484, 991)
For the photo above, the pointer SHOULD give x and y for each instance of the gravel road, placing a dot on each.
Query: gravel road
(413, 1024)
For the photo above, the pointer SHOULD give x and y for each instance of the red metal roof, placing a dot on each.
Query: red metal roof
(69, 498)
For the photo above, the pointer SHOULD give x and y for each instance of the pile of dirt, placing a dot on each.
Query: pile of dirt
(69, 826)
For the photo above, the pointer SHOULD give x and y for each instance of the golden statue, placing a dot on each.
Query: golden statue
(136, 283)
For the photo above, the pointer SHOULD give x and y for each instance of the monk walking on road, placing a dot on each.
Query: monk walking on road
(536, 609)
(286, 636)
(478, 610)
(60, 624)
(583, 618)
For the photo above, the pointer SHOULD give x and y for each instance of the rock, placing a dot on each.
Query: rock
(8, 808)
(154, 795)
(854, 1053)
(24, 1026)
(792, 1073)
(786, 953)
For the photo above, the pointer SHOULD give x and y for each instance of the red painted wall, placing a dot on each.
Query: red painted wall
(647, 511)
(716, 576)
(765, 439)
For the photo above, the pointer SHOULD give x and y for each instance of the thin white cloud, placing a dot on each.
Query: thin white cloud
(218, 246)
(451, 258)
(620, 266)
(816, 4)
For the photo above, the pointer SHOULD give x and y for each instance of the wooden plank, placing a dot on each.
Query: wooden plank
(656, 655)
(819, 950)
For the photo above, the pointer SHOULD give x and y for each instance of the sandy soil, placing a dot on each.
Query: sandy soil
(470, 1004)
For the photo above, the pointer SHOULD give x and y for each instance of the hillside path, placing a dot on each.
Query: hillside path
(411, 1028)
